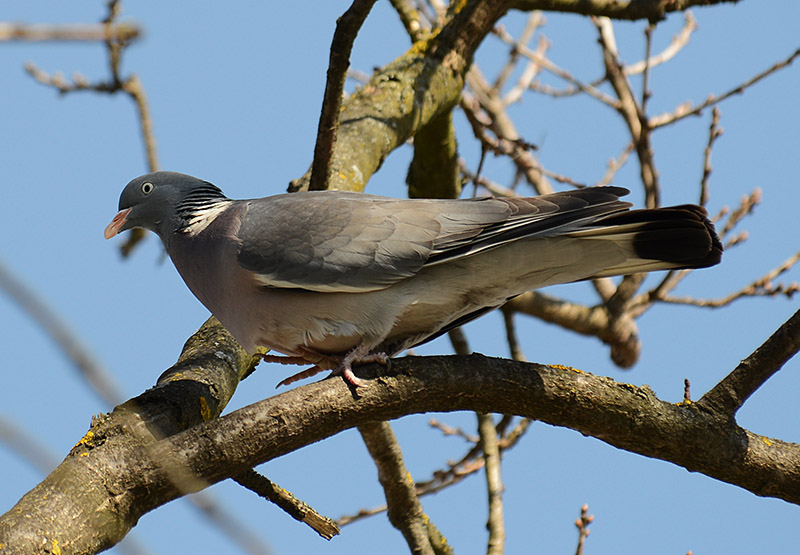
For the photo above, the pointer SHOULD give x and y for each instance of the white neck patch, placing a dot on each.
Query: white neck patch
(202, 218)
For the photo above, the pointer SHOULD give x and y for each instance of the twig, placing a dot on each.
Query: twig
(123, 32)
(679, 41)
(532, 24)
(583, 528)
(615, 164)
(535, 20)
(563, 179)
(132, 86)
(632, 112)
(494, 188)
(494, 484)
(761, 287)
(686, 109)
(731, 393)
(556, 70)
(746, 207)
(496, 117)
(24, 445)
(714, 132)
(347, 27)
(284, 499)
(451, 431)
(511, 334)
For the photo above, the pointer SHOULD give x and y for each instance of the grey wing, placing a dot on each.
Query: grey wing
(335, 241)
(352, 242)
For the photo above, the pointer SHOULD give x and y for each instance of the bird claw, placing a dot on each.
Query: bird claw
(358, 356)
(282, 359)
(300, 376)
(343, 367)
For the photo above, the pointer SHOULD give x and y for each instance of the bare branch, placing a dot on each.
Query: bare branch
(679, 41)
(686, 109)
(404, 509)
(632, 112)
(633, 418)
(761, 287)
(583, 528)
(347, 27)
(535, 20)
(123, 32)
(714, 132)
(615, 164)
(621, 334)
(300, 511)
(509, 143)
(731, 393)
(450, 431)
(553, 68)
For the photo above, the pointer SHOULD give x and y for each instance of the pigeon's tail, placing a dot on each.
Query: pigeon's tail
(662, 239)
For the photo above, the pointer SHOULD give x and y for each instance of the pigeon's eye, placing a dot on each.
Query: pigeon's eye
(147, 187)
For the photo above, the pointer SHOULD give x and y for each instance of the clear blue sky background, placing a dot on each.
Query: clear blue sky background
(235, 90)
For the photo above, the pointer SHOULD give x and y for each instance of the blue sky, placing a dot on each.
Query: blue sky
(235, 93)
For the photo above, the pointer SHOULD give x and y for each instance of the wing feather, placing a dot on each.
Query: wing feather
(335, 241)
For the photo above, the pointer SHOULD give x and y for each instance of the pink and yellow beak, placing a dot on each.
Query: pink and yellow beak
(116, 224)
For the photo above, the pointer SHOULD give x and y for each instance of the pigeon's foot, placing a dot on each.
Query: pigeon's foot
(359, 355)
(341, 365)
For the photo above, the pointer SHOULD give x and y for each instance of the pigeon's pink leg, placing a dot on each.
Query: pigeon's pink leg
(358, 355)
(341, 366)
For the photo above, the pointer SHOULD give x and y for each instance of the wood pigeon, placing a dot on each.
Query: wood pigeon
(333, 278)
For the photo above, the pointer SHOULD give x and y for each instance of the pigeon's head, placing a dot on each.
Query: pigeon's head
(161, 202)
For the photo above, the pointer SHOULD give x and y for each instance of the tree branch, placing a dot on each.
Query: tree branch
(347, 27)
(405, 96)
(85, 505)
(620, 334)
(494, 484)
(731, 393)
(404, 509)
(120, 471)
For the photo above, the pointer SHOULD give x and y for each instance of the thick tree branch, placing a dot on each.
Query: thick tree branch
(433, 172)
(405, 96)
(120, 471)
(85, 505)
(620, 334)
